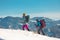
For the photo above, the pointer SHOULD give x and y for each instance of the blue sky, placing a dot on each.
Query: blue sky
(32, 7)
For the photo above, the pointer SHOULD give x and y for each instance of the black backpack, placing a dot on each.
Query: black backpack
(27, 18)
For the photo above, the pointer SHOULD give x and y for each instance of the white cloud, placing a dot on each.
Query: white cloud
(48, 15)
(51, 15)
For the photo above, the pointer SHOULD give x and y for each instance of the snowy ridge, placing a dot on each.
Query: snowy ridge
(8, 34)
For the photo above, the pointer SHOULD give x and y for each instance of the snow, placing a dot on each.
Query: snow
(9, 34)
(32, 20)
(58, 24)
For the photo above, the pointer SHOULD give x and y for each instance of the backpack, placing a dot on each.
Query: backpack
(27, 18)
(38, 23)
(42, 23)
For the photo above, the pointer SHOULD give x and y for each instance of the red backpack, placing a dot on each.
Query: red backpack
(42, 23)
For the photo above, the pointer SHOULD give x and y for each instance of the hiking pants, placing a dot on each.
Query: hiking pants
(40, 30)
(25, 26)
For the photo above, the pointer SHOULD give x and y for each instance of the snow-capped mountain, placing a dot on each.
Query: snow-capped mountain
(10, 21)
(52, 29)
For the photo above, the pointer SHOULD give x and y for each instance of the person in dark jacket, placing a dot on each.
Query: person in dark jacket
(39, 27)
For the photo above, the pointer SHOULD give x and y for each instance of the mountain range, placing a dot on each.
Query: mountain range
(52, 27)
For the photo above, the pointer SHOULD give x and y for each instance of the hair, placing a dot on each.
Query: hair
(24, 13)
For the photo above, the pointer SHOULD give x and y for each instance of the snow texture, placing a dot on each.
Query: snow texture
(9, 34)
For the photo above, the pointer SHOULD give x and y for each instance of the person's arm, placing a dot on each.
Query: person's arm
(22, 21)
(36, 25)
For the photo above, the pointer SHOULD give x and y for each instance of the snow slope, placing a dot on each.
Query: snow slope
(8, 34)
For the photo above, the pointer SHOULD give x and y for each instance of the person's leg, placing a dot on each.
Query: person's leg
(38, 30)
(26, 26)
(42, 32)
(23, 27)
